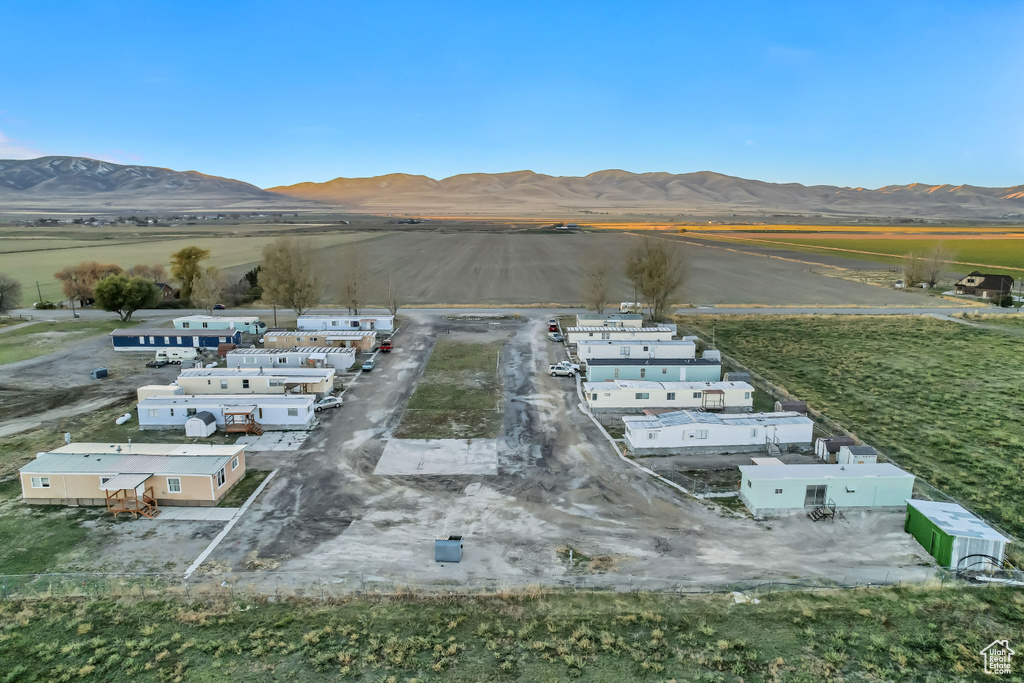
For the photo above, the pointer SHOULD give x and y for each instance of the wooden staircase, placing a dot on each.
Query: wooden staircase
(822, 511)
(129, 501)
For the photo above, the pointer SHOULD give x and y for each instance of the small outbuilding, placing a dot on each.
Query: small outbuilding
(827, 448)
(954, 537)
(856, 455)
(791, 407)
(201, 424)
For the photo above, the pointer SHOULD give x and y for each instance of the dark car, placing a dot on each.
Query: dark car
(552, 328)
(219, 307)
(156, 364)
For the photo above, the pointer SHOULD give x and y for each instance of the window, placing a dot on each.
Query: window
(652, 435)
(221, 477)
(282, 359)
(205, 325)
(670, 396)
(664, 371)
(167, 341)
(606, 335)
(616, 373)
(250, 360)
(173, 484)
(152, 340)
(593, 397)
(748, 484)
(245, 384)
(778, 491)
(276, 382)
(189, 412)
(142, 340)
(104, 480)
(234, 464)
(154, 412)
(185, 325)
(293, 412)
(300, 339)
(696, 394)
(643, 372)
(172, 412)
(40, 482)
(642, 395)
(753, 432)
(646, 348)
(179, 341)
(223, 384)
(590, 334)
(334, 323)
(746, 394)
(702, 433)
(815, 495)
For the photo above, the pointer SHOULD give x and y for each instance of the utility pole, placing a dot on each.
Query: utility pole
(39, 292)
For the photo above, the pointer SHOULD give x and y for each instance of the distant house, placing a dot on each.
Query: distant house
(984, 285)
(166, 291)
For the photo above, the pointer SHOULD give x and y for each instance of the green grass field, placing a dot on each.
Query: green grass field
(942, 398)
(458, 395)
(39, 339)
(867, 635)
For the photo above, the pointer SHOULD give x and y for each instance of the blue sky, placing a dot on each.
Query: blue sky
(861, 94)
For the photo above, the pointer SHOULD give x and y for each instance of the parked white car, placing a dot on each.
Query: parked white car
(327, 402)
(561, 370)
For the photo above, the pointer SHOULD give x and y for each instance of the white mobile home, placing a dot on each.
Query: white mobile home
(366, 321)
(591, 349)
(783, 489)
(250, 324)
(575, 335)
(625, 397)
(697, 432)
(339, 358)
(364, 340)
(609, 320)
(316, 381)
(231, 412)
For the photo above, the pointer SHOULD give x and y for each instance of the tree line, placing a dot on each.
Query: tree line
(656, 269)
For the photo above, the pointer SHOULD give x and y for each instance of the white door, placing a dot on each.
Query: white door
(195, 342)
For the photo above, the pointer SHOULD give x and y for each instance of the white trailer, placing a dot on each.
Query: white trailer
(697, 432)
(590, 349)
(625, 397)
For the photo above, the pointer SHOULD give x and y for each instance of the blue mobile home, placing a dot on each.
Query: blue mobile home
(138, 339)
(655, 369)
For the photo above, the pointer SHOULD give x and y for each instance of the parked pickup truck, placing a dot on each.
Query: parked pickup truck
(563, 369)
(386, 345)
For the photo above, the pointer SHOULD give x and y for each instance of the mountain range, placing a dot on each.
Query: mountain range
(76, 183)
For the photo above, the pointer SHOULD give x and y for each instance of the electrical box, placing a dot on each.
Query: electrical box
(448, 549)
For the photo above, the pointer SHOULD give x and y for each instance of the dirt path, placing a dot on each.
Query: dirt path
(24, 424)
(11, 328)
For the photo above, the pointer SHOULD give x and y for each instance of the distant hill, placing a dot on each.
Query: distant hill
(77, 183)
(702, 192)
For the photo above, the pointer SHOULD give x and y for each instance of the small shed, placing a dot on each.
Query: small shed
(953, 536)
(201, 424)
(827, 448)
(448, 548)
(737, 377)
(791, 407)
(857, 455)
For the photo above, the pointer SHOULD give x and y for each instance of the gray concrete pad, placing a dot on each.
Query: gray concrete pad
(196, 514)
(439, 456)
(274, 441)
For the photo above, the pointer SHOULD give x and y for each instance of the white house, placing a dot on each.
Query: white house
(624, 396)
(575, 335)
(273, 412)
(366, 321)
(249, 323)
(783, 489)
(339, 358)
(281, 380)
(697, 432)
(590, 349)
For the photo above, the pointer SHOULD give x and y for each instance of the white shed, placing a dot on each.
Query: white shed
(202, 424)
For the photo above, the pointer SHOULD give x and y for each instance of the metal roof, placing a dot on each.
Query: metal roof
(332, 316)
(620, 330)
(125, 481)
(188, 449)
(955, 520)
(172, 332)
(329, 334)
(206, 416)
(610, 316)
(650, 362)
(645, 342)
(226, 400)
(107, 463)
(860, 450)
(294, 349)
(823, 471)
(323, 373)
(620, 384)
(685, 417)
(224, 318)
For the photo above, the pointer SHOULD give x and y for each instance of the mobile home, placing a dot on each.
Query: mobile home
(699, 432)
(634, 348)
(249, 324)
(340, 359)
(655, 369)
(367, 321)
(609, 320)
(362, 340)
(782, 489)
(575, 335)
(316, 381)
(953, 536)
(172, 474)
(246, 413)
(143, 339)
(625, 397)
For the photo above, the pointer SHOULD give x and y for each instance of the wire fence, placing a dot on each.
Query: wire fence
(273, 585)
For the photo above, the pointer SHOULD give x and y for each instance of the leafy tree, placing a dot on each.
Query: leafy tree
(185, 266)
(657, 272)
(207, 288)
(253, 277)
(78, 281)
(10, 293)
(393, 295)
(290, 274)
(913, 270)
(124, 295)
(352, 285)
(594, 280)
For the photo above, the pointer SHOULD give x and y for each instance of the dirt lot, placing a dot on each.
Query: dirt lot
(558, 484)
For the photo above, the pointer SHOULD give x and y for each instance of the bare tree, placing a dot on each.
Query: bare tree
(290, 274)
(155, 272)
(352, 284)
(10, 293)
(913, 270)
(934, 263)
(594, 280)
(207, 286)
(393, 294)
(657, 272)
(79, 280)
